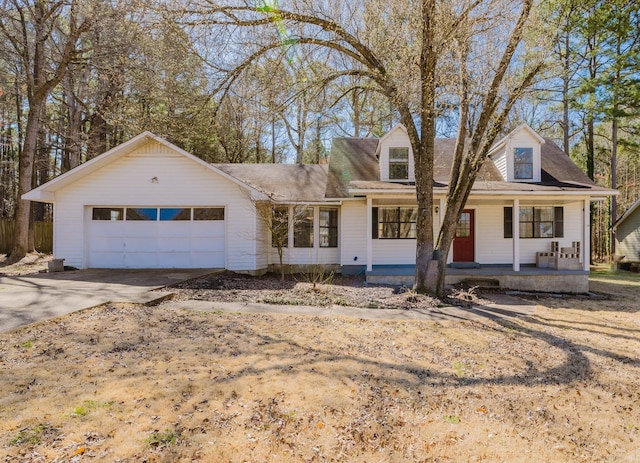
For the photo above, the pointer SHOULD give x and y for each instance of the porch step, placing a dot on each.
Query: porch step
(464, 265)
(486, 283)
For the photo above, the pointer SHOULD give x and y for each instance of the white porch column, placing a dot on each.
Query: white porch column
(516, 235)
(586, 235)
(369, 233)
(440, 212)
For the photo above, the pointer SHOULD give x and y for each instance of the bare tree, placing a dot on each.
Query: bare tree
(45, 43)
(410, 51)
(279, 219)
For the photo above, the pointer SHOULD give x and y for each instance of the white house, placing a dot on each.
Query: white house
(149, 204)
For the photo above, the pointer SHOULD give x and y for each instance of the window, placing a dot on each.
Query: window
(208, 213)
(536, 222)
(107, 213)
(142, 213)
(303, 227)
(399, 163)
(328, 228)
(280, 227)
(463, 227)
(395, 222)
(175, 213)
(523, 163)
(151, 213)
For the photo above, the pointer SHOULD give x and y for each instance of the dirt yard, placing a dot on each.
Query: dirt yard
(31, 263)
(133, 383)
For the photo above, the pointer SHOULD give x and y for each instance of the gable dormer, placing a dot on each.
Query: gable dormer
(395, 156)
(517, 156)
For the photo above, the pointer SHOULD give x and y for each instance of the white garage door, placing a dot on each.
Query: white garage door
(156, 237)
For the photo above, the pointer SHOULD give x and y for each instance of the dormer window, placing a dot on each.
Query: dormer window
(523, 163)
(398, 163)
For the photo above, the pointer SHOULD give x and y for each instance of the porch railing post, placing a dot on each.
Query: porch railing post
(586, 235)
(369, 233)
(516, 235)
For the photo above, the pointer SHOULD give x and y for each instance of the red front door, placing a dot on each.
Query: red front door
(463, 243)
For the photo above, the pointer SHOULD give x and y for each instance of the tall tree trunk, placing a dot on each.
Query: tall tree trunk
(97, 137)
(25, 178)
(565, 94)
(74, 120)
(427, 265)
(42, 76)
(613, 214)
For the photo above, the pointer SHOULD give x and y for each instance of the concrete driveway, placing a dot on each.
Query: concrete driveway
(28, 299)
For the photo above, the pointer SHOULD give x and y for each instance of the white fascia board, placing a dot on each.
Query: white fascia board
(365, 192)
(284, 202)
(498, 193)
(42, 196)
(556, 193)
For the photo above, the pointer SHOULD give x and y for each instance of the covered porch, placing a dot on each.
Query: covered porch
(526, 278)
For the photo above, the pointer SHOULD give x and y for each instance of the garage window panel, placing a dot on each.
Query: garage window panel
(142, 213)
(175, 213)
(208, 213)
(107, 213)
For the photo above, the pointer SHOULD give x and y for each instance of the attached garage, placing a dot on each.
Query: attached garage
(155, 237)
(149, 204)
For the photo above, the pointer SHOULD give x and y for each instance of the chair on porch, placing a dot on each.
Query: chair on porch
(558, 258)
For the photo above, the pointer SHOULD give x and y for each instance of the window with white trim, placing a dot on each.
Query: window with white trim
(303, 227)
(398, 163)
(523, 163)
(536, 222)
(328, 227)
(394, 222)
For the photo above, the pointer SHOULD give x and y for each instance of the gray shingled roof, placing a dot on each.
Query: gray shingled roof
(353, 165)
(282, 182)
(351, 160)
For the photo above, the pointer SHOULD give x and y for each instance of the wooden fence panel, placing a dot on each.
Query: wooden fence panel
(42, 236)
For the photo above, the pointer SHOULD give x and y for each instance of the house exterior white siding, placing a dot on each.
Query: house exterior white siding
(129, 181)
(394, 252)
(523, 139)
(572, 232)
(353, 236)
(500, 161)
(262, 243)
(493, 248)
(397, 138)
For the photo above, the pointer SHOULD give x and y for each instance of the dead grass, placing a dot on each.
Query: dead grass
(296, 289)
(31, 263)
(133, 383)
